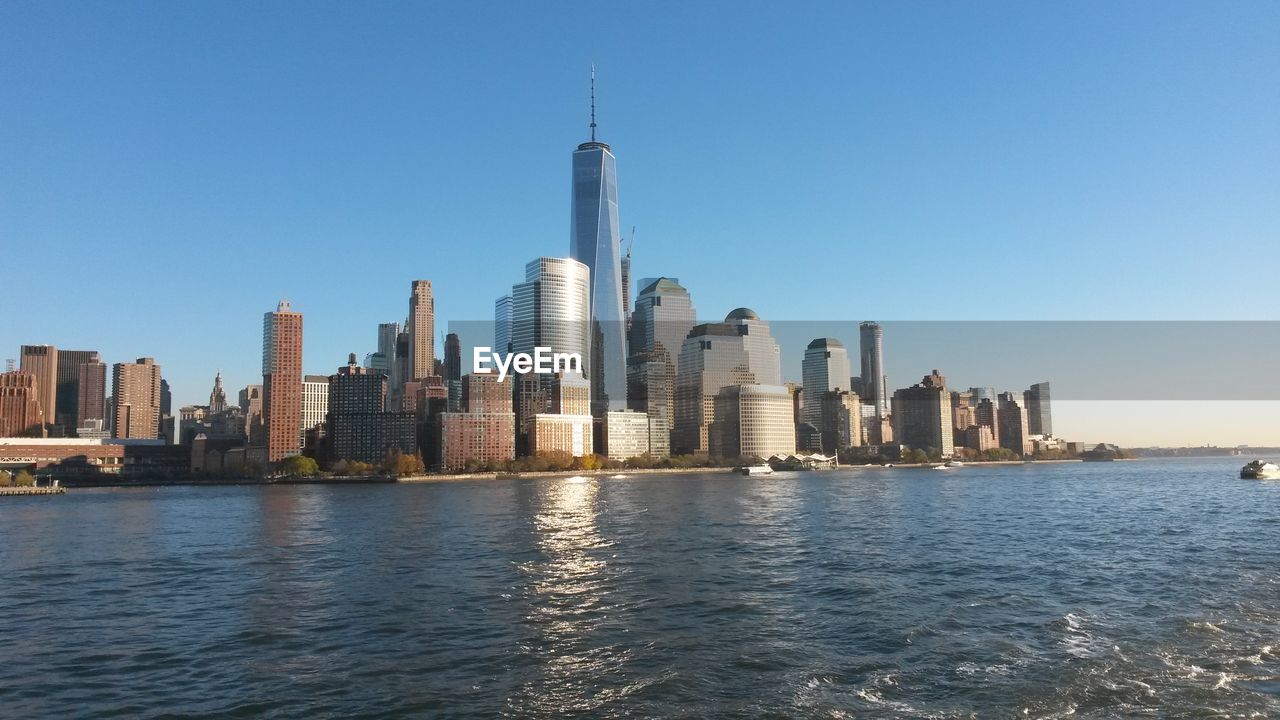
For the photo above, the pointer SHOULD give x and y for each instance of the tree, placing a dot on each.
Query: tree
(5, 478)
(915, 455)
(299, 465)
(24, 479)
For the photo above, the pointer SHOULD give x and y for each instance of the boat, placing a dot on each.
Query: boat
(1260, 470)
(756, 470)
(954, 464)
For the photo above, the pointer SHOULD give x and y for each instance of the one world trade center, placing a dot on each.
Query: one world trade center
(594, 240)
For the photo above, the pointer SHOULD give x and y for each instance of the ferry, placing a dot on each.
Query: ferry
(1259, 470)
(756, 470)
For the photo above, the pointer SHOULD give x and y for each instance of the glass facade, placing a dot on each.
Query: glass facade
(825, 369)
(594, 239)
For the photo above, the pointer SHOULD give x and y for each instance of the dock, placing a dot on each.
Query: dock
(56, 490)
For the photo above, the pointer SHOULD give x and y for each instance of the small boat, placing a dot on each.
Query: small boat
(1259, 470)
(756, 470)
(954, 464)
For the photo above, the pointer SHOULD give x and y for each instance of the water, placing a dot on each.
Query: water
(1147, 588)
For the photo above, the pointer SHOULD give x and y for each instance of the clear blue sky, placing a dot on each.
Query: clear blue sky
(170, 170)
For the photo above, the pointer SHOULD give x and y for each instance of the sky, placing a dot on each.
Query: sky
(172, 170)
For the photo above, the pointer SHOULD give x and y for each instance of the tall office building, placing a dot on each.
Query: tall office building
(763, 353)
(68, 391)
(381, 359)
(42, 362)
(712, 357)
(422, 328)
(922, 416)
(135, 389)
(502, 308)
(840, 420)
(315, 403)
(1039, 413)
(663, 317)
(1012, 418)
(569, 425)
(91, 392)
(282, 381)
(453, 370)
(551, 308)
(594, 240)
(825, 368)
(871, 348)
(19, 405)
(753, 421)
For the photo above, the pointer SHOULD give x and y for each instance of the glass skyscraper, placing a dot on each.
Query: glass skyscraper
(594, 239)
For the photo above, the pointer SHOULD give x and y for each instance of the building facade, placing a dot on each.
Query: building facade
(874, 383)
(551, 309)
(825, 368)
(754, 421)
(1039, 412)
(922, 416)
(594, 238)
(135, 389)
(42, 362)
(20, 414)
(282, 381)
(315, 404)
(67, 402)
(91, 390)
(422, 329)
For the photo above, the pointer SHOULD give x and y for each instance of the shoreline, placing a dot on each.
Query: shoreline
(74, 483)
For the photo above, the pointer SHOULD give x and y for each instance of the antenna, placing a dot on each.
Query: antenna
(593, 102)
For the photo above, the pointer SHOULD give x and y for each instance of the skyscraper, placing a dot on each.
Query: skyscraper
(502, 324)
(663, 317)
(382, 359)
(753, 421)
(764, 356)
(922, 416)
(871, 347)
(282, 381)
(422, 328)
(136, 404)
(359, 425)
(593, 240)
(712, 357)
(42, 361)
(315, 403)
(68, 394)
(91, 394)
(19, 404)
(1039, 414)
(217, 396)
(825, 369)
(453, 370)
(551, 308)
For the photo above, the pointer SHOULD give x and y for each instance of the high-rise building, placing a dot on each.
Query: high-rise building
(315, 403)
(19, 405)
(986, 415)
(1013, 434)
(594, 239)
(381, 359)
(135, 388)
(551, 309)
(763, 353)
(839, 420)
(359, 427)
(922, 416)
(569, 425)
(68, 392)
(871, 348)
(753, 421)
(502, 310)
(42, 362)
(91, 394)
(1039, 412)
(251, 407)
(825, 368)
(663, 317)
(282, 381)
(453, 370)
(166, 399)
(626, 434)
(217, 396)
(739, 351)
(422, 328)
(483, 432)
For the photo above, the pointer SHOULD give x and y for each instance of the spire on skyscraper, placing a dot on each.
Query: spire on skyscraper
(593, 102)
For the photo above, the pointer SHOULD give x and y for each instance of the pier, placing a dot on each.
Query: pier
(55, 490)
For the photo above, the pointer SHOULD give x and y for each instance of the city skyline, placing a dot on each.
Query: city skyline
(674, 244)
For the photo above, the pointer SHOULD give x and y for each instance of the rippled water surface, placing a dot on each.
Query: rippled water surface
(1086, 590)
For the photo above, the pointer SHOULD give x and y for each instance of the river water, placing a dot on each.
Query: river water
(1146, 588)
